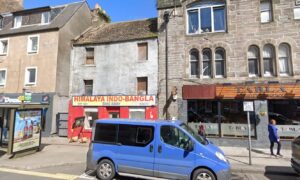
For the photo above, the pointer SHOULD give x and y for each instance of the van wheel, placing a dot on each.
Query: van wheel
(203, 174)
(106, 170)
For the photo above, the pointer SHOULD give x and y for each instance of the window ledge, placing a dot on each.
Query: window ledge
(206, 33)
(3, 54)
(32, 53)
(89, 65)
(30, 84)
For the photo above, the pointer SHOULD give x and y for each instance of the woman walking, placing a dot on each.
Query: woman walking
(273, 137)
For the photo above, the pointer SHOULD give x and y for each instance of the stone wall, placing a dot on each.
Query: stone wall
(10, 5)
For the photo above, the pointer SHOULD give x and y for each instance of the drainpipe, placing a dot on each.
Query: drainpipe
(166, 20)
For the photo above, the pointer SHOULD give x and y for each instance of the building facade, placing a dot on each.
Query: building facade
(114, 73)
(11, 5)
(221, 53)
(35, 48)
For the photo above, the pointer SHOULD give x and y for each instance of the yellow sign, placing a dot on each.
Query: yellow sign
(114, 101)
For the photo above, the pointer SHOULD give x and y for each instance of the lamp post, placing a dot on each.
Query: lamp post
(166, 21)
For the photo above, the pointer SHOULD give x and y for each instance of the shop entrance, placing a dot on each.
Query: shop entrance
(113, 112)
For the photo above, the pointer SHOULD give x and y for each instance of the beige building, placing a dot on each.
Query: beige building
(35, 47)
(10, 5)
(219, 53)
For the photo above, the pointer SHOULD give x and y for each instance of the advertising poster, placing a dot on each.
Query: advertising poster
(27, 128)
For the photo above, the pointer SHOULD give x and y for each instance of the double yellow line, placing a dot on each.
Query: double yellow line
(40, 174)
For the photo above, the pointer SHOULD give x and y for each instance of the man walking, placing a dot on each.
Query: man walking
(273, 137)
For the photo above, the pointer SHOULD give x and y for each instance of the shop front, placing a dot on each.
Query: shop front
(221, 110)
(87, 109)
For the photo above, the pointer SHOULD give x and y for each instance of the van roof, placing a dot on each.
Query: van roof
(138, 121)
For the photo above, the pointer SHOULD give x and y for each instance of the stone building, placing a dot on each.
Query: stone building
(35, 48)
(114, 70)
(221, 53)
(10, 5)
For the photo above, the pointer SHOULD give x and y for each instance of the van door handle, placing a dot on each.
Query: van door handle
(159, 149)
(151, 148)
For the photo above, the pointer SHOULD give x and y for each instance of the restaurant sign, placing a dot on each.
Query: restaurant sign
(114, 101)
(265, 91)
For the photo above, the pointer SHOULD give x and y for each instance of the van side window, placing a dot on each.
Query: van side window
(174, 137)
(106, 133)
(130, 135)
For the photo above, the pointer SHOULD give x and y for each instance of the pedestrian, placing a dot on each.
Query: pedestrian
(273, 137)
(201, 130)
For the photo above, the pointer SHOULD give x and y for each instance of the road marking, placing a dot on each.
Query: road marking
(40, 174)
(85, 176)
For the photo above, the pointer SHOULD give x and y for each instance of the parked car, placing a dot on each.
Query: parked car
(153, 149)
(282, 120)
(296, 154)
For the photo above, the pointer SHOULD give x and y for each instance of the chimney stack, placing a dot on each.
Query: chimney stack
(99, 16)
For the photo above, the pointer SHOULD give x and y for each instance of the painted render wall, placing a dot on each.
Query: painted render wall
(116, 68)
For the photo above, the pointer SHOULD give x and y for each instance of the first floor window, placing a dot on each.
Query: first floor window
(220, 62)
(3, 46)
(30, 76)
(33, 43)
(284, 59)
(194, 62)
(88, 87)
(142, 85)
(142, 51)
(253, 59)
(2, 77)
(269, 61)
(207, 58)
(89, 55)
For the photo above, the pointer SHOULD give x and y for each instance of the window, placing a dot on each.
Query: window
(265, 11)
(1, 22)
(194, 60)
(297, 12)
(220, 62)
(136, 113)
(33, 44)
(30, 76)
(89, 56)
(206, 17)
(284, 59)
(17, 21)
(253, 60)
(131, 135)
(174, 137)
(106, 133)
(269, 60)
(2, 77)
(143, 51)
(207, 58)
(91, 114)
(3, 47)
(142, 85)
(88, 87)
(45, 17)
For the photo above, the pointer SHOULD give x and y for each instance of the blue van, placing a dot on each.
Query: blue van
(153, 150)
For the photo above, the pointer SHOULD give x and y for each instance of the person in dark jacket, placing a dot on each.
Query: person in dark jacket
(273, 137)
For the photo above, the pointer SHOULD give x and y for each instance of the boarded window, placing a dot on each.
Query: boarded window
(89, 56)
(143, 51)
(142, 85)
(88, 87)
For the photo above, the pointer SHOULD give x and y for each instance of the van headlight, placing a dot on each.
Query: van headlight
(221, 156)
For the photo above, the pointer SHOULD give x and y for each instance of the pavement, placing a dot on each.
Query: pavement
(58, 151)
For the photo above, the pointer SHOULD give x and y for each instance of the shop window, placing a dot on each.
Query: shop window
(265, 11)
(114, 115)
(220, 62)
(3, 47)
(131, 135)
(30, 76)
(106, 133)
(88, 87)
(2, 77)
(91, 114)
(33, 44)
(89, 56)
(207, 59)
(142, 51)
(194, 62)
(284, 59)
(269, 60)
(136, 113)
(142, 85)
(204, 17)
(253, 61)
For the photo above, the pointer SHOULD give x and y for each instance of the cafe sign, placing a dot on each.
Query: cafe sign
(149, 100)
(264, 91)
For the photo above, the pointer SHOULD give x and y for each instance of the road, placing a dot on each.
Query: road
(75, 172)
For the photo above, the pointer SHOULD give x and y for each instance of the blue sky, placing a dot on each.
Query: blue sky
(119, 10)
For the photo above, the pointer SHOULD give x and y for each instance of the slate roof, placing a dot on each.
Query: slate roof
(60, 15)
(163, 4)
(119, 32)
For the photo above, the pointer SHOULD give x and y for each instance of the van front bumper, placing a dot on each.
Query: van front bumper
(224, 174)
